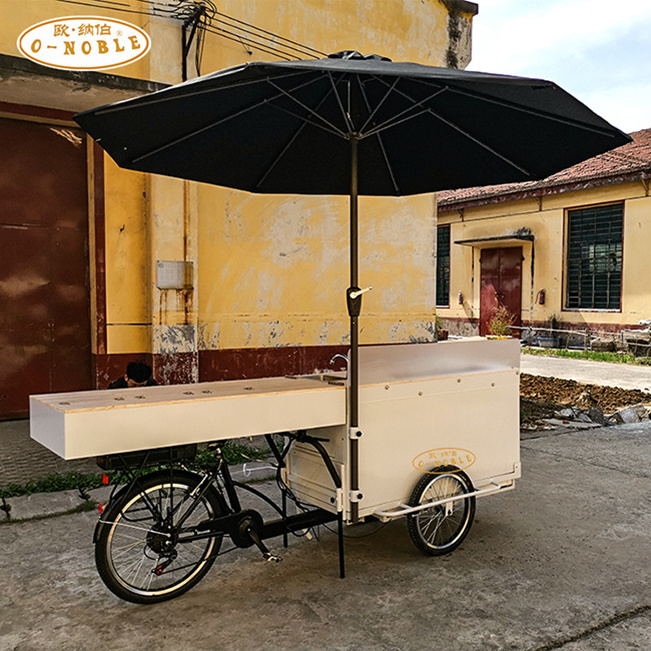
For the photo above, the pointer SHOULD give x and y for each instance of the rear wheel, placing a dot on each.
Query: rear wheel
(140, 551)
(441, 529)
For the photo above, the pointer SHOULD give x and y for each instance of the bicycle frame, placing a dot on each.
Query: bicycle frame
(245, 527)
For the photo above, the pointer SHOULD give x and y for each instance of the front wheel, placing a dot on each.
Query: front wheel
(441, 529)
(141, 553)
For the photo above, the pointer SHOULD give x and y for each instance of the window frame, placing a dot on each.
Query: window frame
(440, 228)
(594, 259)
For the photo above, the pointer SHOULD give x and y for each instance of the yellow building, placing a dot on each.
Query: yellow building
(568, 251)
(105, 265)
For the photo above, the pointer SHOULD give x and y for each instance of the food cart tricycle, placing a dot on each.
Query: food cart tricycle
(416, 430)
(438, 427)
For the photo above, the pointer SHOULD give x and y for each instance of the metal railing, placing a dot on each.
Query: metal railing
(636, 341)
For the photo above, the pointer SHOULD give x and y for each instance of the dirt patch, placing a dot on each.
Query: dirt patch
(541, 396)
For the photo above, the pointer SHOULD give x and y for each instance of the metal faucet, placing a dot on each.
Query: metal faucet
(344, 357)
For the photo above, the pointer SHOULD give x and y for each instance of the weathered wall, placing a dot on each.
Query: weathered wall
(266, 272)
(403, 30)
(273, 270)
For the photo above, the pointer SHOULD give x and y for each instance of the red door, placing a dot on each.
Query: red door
(44, 288)
(501, 284)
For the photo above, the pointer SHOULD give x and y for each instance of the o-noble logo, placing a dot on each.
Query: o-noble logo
(84, 43)
(432, 461)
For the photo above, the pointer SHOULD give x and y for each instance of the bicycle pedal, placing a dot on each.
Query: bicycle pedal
(271, 557)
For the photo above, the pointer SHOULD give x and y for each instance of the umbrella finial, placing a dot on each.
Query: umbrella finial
(353, 54)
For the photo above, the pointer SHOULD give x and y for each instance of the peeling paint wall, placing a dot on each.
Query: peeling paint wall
(404, 30)
(128, 293)
(265, 271)
(459, 26)
(274, 271)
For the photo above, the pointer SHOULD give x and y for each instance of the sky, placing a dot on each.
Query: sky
(597, 50)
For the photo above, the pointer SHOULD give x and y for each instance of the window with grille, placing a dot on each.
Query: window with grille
(443, 266)
(594, 257)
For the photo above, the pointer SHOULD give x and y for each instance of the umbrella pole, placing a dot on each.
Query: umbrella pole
(354, 309)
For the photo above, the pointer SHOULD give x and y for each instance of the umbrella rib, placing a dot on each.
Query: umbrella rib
(379, 138)
(268, 100)
(525, 109)
(542, 114)
(379, 104)
(457, 128)
(393, 121)
(483, 145)
(212, 125)
(329, 127)
(389, 125)
(303, 119)
(344, 112)
(292, 139)
(159, 97)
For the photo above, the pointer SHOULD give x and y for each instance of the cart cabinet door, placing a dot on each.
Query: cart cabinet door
(470, 421)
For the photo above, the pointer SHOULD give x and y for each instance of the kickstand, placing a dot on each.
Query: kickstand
(340, 535)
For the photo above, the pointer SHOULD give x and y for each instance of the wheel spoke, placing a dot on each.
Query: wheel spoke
(440, 529)
(127, 562)
(435, 530)
(125, 549)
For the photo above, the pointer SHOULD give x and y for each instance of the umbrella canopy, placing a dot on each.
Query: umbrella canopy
(350, 125)
(285, 128)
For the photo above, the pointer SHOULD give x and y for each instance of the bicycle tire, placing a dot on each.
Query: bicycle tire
(136, 552)
(441, 529)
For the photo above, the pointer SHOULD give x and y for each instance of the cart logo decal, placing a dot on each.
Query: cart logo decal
(84, 43)
(432, 461)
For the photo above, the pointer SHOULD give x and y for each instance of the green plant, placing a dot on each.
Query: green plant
(234, 453)
(598, 356)
(501, 322)
(52, 483)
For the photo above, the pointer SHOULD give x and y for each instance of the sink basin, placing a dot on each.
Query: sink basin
(332, 378)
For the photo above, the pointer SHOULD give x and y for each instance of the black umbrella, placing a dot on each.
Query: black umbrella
(351, 125)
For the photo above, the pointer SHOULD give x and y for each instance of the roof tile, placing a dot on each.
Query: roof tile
(632, 158)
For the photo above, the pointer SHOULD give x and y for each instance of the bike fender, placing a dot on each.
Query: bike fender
(115, 501)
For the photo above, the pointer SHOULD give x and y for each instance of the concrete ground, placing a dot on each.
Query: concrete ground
(22, 459)
(561, 562)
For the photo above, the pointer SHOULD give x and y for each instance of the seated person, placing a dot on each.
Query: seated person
(138, 375)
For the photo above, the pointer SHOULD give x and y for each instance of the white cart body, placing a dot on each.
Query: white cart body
(421, 406)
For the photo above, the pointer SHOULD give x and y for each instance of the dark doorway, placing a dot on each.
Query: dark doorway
(44, 279)
(501, 285)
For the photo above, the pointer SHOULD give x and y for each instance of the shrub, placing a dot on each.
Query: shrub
(500, 324)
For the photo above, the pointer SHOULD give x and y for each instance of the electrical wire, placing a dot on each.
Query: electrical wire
(157, 9)
(287, 43)
(214, 22)
(260, 47)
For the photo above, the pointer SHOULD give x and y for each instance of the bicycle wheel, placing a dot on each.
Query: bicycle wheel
(140, 551)
(441, 529)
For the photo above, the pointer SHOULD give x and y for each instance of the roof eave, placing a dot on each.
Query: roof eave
(546, 190)
(463, 6)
